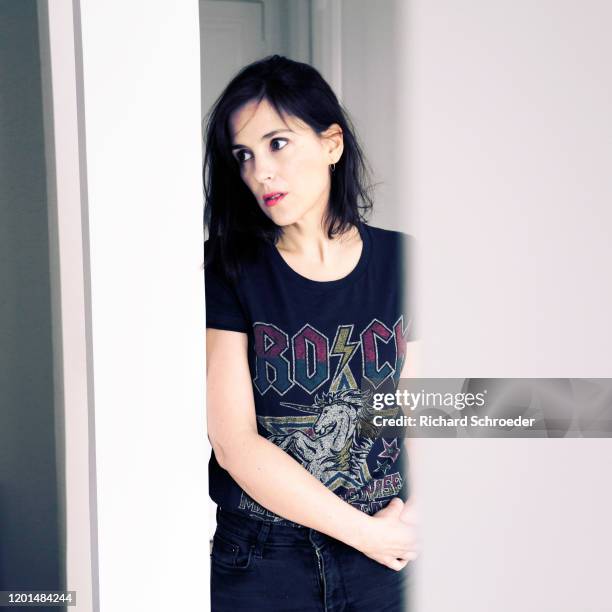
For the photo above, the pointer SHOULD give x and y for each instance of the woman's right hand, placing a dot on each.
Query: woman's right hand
(390, 536)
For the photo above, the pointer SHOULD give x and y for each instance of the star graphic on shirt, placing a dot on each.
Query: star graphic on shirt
(382, 467)
(391, 450)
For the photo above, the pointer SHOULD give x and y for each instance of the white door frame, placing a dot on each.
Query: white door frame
(69, 271)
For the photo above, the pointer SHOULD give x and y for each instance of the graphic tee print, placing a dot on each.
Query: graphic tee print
(317, 352)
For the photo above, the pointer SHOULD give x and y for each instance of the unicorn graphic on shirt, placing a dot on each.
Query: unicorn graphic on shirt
(333, 441)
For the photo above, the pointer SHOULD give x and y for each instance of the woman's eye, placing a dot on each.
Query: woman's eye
(239, 156)
(282, 140)
(243, 156)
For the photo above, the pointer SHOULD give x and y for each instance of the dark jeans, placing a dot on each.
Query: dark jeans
(257, 565)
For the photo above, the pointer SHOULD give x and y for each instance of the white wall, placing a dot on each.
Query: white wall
(369, 34)
(142, 146)
(510, 135)
(507, 175)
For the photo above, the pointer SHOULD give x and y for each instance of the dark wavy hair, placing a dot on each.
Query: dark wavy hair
(236, 225)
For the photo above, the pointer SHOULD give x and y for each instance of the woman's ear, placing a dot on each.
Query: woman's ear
(334, 144)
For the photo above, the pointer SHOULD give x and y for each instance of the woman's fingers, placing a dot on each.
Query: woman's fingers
(397, 564)
(410, 556)
(397, 501)
(395, 506)
(409, 514)
(394, 541)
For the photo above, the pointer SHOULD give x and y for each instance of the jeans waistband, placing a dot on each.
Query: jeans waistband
(263, 532)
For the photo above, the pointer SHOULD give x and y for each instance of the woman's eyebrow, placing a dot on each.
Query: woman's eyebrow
(272, 133)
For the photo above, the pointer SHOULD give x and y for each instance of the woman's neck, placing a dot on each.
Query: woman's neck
(311, 242)
(307, 239)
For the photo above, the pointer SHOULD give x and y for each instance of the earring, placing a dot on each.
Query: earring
(332, 167)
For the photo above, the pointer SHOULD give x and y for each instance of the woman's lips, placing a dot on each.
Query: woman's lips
(274, 200)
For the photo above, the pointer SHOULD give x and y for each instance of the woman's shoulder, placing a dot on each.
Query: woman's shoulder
(389, 239)
(249, 264)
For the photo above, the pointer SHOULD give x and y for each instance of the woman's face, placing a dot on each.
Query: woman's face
(277, 156)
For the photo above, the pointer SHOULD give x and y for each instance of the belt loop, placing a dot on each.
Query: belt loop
(262, 536)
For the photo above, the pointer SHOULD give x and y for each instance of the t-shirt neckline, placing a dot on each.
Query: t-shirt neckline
(297, 279)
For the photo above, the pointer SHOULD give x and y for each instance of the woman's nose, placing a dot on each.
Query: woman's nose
(264, 171)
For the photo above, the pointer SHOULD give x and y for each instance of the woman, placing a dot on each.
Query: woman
(304, 322)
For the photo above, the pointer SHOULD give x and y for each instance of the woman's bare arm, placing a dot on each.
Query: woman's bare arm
(271, 476)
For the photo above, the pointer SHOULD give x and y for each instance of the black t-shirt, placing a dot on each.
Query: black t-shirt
(314, 350)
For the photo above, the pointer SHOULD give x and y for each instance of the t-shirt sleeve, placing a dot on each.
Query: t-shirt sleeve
(408, 284)
(223, 307)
